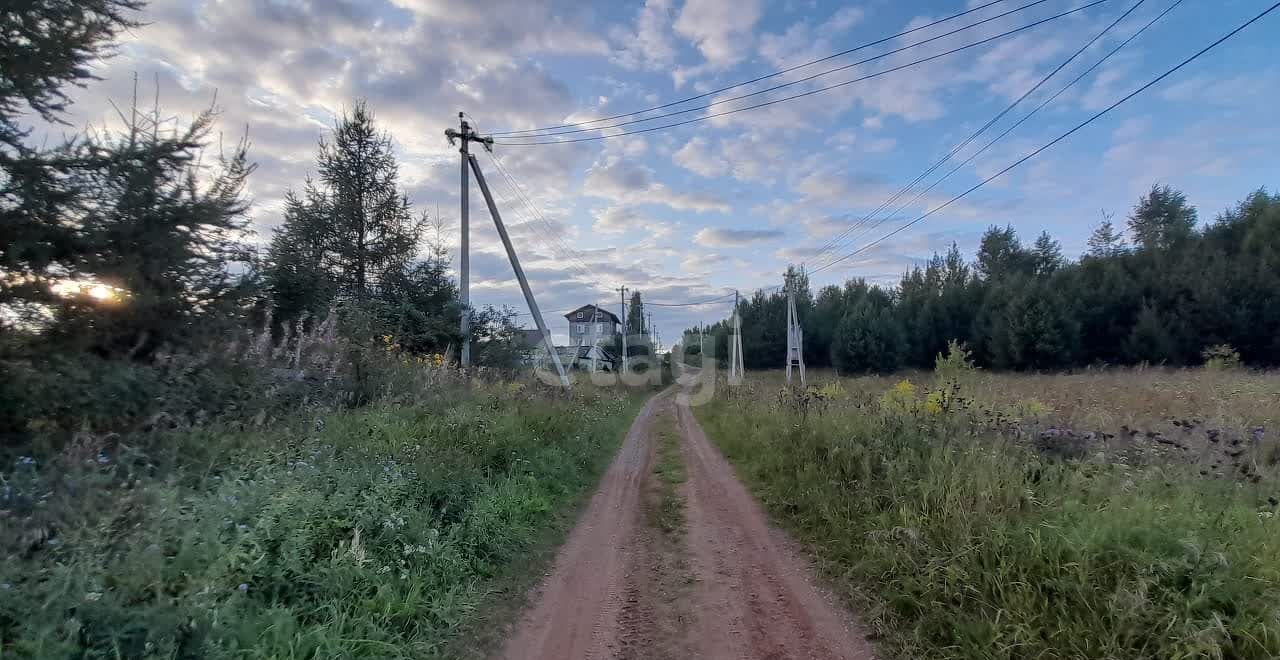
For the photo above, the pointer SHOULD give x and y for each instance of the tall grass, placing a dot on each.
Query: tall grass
(368, 533)
(959, 540)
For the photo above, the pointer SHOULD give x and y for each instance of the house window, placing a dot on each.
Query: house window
(600, 328)
(579, 316)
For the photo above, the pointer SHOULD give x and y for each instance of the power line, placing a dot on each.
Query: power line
(808, 93)
(549, 235)
(1058, 139)
(1022, 120)
(709, 301)
(831, 243)
(553, 241)
(756, 80)
(789, 83)
(723, 298)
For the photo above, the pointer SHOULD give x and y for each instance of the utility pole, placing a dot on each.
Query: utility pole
(622, 295)
(595, 333)
(795, 336)
(465, 136)
(735, 346)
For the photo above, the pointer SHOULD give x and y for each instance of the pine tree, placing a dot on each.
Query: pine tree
(371, 230)
(1105, 240)
(1162, 219)
(1046, 255)
(351, 231)
(635, 316)
(1000, 254)
(867, 338)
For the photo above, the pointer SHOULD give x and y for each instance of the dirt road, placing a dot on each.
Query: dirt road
(674, 559)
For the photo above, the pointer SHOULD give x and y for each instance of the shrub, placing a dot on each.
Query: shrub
(956, 365)
(1221, 357)
(374, 533)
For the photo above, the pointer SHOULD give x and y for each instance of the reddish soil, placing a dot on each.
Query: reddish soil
(730, 586)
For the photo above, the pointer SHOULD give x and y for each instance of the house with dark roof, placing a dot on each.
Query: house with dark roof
(589, 324)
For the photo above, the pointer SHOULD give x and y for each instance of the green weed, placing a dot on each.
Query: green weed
(375, 533)
(959, 541)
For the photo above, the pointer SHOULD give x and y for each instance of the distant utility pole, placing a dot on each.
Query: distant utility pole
(735, 346)
(595, 332)
(465, 136)
(795, 337)
(622, 295)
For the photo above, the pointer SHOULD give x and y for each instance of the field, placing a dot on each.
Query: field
(1101, 514)
(391, 531)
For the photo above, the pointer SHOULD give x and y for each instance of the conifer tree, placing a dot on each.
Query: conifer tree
(1162, 219)
(1106, 241)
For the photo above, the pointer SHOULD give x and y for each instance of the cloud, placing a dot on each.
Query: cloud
(618, 220)
(702, 263)
(719, 237)
(721, 29)
(650, 45)
(697, 157)
(625, 181)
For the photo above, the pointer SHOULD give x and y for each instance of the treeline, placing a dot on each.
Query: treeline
(1163, 292)
(126, 252)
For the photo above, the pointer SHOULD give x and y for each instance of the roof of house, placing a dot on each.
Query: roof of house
(584, 353)
(587, 310)
(528, 338)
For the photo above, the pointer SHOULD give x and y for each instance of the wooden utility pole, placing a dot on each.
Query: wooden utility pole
(469, 159)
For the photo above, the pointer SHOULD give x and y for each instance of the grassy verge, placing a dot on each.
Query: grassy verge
(669, 471)
(959, 540)
(375, 533)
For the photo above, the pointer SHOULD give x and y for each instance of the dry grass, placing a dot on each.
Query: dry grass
(1103, 514)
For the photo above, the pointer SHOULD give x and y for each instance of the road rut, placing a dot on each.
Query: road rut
(729, 587)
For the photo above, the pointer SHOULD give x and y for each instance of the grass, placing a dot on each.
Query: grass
(375, 533)
(669, 471)
(939, 512)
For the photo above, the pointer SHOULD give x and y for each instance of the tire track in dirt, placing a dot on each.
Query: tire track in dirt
(729, 587)
(594, 602)
(755, 596)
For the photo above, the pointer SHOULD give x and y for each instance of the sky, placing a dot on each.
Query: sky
(694, 212)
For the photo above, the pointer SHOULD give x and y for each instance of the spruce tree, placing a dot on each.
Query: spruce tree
(45, 47)
(1106, 241)
(351, 231)
(1046, 255)
(167, 241)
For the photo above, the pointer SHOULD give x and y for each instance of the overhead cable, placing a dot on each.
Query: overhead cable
(1056, 140)
(810, 92)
